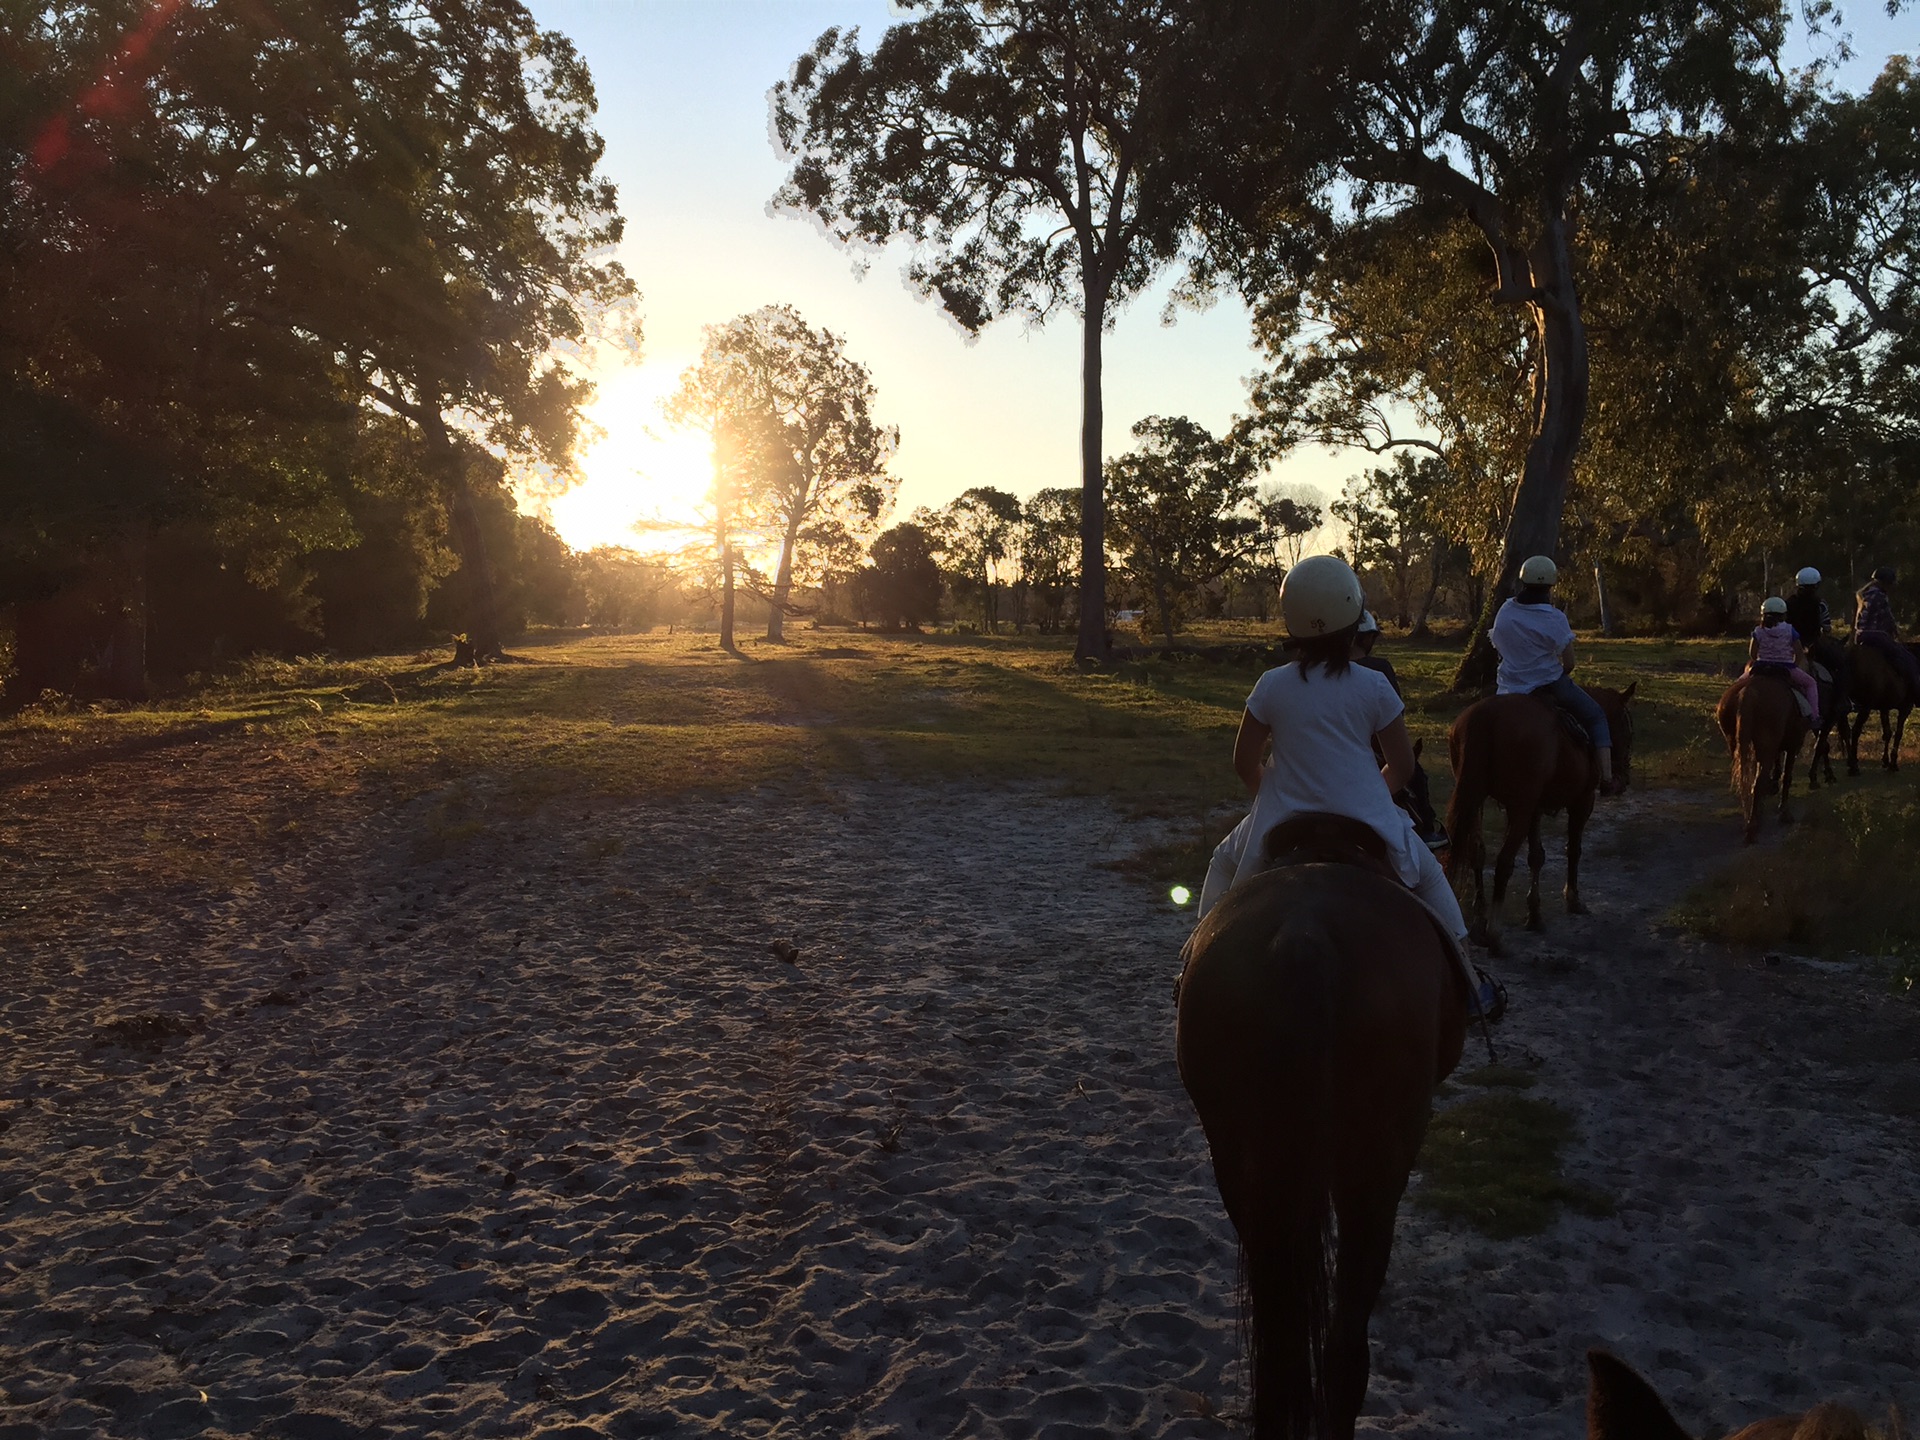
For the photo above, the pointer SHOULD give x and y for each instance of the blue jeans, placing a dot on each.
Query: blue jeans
(1583, 707)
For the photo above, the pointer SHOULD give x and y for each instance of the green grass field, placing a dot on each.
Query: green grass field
(638, 716)
(659, 714)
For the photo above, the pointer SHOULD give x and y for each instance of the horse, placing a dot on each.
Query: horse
(1836, 700)
(1764, 728)
(1513, 750)
(1318, 1008)
(1622, 1406)
(1878, 686)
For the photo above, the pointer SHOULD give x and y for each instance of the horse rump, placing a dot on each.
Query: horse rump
(1256, 1007)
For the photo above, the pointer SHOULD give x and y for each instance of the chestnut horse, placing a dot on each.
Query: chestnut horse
(1764, 729)
(1514, 750)
(1319, 1006)
(1622, 1406)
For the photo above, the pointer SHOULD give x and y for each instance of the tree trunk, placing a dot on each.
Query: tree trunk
(1533, 528)
(1435, 562)
(783, 578)
(126, 668)
(1092, 641)
(483, 620)
(1166, 611)
(726, 594)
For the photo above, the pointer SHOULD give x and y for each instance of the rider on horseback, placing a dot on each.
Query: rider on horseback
(1873, 626)
(1323, 714)
(1535, 643)
(1776, 648)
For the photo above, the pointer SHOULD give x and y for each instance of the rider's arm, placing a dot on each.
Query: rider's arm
(1397, 746)
(1567, 661)
(1753, 649)
(1248, 746)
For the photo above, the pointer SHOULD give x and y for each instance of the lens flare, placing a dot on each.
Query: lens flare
(1180, 894)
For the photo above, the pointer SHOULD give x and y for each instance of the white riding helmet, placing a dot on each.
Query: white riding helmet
(1539, 570)
(1808, 576)
(1773, 605)
(1319, 596)
(1368, 625)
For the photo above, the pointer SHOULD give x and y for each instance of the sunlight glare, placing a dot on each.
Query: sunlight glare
(640, 471)
(1180, 894)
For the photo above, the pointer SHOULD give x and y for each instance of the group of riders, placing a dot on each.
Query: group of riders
(1795, 638)
(1336, 725)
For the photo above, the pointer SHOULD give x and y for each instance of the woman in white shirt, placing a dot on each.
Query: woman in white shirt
(1535, 642)
(1322, 714)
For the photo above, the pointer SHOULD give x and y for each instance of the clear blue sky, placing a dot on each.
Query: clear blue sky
(683, 105)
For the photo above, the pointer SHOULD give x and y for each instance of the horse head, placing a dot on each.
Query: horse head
(1622, 1406)
(1618, 705)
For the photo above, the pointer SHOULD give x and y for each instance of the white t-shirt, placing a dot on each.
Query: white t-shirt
(1529, 639)
(1323, 727)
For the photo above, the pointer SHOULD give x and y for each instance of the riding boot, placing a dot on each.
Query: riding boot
(1604, 753)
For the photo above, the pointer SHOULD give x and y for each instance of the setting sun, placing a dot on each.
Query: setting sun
(642, 479)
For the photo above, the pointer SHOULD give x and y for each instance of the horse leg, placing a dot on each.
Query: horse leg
(1899, 736)
(1536, 858)
(1366, 1244)
(1786, 782)
(1475, 854)
(1749, 786)
(1518, 823)
(1577, 814)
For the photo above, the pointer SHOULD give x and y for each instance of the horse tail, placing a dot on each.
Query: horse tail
(1287, 1244)
(1470, 750)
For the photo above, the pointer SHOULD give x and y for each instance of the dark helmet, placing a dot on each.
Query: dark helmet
(1885, 575)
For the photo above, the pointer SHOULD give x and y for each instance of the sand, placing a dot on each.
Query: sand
(529, 1131)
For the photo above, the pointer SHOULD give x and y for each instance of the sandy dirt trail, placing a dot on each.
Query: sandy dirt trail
(538, 1136)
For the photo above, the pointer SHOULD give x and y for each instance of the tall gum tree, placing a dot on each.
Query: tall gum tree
(826, 466)
(1504, 113)
(440, 221)
(1000, 139)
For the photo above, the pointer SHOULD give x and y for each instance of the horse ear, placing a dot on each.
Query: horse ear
(1416, 748)
(1622, 1406)
(1627, 694)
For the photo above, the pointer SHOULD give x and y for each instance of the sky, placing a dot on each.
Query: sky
(683, 89)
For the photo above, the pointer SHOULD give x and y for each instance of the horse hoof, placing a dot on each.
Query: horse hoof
(1536, 925)
(1575, 907)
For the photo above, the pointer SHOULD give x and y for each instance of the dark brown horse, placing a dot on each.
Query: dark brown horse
(1878, 686)
(1836, 700)
(1514, 751)
(1319, 1007)
(1622, 1406)
(1764, 730)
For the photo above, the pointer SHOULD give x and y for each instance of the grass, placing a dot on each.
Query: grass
(1492, 1161)
(1845, 880)
(581, 718)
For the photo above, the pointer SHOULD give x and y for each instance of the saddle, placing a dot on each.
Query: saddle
(1317, 838)
(1568, 721)
(1785, 672)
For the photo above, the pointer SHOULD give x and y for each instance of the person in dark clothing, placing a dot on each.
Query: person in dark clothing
(1363, 643)
(1417, 798)
(1809, 616)
(1873, 626)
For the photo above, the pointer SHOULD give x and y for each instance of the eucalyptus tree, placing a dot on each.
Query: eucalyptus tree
(1503, 115)
(1182, 511)
(977, 536)
(1049, 543)
(824, 470)
(228, 227)
(1002, 141)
